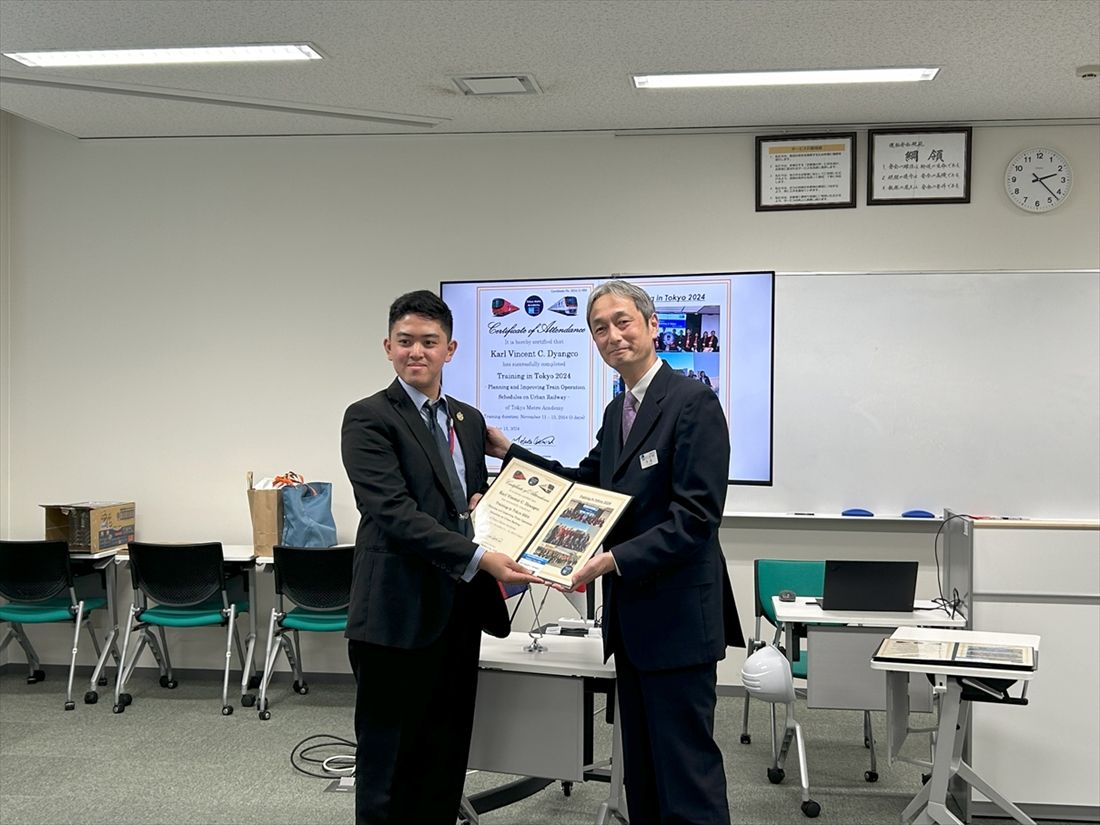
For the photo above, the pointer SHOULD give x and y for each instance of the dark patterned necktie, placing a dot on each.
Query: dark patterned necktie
(630, 411)
(442, 442)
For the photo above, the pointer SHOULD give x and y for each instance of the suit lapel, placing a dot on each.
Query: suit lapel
(648, 415)
(465, 438)
(419, 430)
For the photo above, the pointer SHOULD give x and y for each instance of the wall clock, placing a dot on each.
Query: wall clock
(1038, 179)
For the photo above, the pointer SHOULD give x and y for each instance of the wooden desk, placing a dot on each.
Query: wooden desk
(930, 804)
(530, 714)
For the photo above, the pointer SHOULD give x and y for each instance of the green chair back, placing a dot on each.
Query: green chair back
(805, 578)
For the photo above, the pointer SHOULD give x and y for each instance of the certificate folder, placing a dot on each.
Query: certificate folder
(966, 654)
(546, 523)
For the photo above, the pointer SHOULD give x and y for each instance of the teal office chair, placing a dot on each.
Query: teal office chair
(804, 578)
(36, 578)
(770, 578)
(179, 586)
(318, 581)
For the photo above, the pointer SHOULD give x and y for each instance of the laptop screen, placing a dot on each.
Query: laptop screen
(886, 586)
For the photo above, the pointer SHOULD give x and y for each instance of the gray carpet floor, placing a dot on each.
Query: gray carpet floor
(172, 757)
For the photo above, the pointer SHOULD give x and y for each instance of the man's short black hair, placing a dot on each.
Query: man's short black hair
(424, 303)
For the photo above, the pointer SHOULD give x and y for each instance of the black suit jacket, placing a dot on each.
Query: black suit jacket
(409, 553)
(671, 604)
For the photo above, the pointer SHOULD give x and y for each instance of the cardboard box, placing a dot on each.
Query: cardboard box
(90, 526)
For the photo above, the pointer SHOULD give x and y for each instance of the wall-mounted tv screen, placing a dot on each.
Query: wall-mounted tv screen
(526, 360)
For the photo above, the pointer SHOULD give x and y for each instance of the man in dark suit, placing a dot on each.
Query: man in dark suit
(668, 610)
(422, 591)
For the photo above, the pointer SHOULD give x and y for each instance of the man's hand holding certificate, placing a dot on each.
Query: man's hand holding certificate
(547, 524)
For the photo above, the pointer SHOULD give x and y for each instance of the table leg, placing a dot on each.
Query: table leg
(249, 665)
(966, 773)
(948, 743)
(616, 803)
(948, 762)
(111, 636)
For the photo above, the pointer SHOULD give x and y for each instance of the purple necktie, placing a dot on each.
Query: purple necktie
(630, 410)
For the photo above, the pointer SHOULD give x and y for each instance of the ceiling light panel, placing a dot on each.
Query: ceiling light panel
(256, 53)
(800, 77)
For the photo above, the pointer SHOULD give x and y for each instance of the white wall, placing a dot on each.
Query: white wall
(181, 311)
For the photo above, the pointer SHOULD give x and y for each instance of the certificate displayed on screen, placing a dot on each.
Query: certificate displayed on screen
(526, 360)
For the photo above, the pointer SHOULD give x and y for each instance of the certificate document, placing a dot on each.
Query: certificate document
(1009, 657)
(546, 523)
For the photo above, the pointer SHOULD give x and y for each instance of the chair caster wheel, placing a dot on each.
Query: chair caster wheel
(248, 699)
(91, 697)
(101, 681)
(301, 688)
(125, 699)
(925, 778)
(871, 776)
(776, 775)
(171, 684)
(567, 788)
(811, 809)
(866, 742)
(36, 677)
(227, 710)
(254, 682)
(118, 708)
(746, 739)
(265, 715)
(70, 706)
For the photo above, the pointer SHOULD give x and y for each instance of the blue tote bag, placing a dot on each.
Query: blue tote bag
(307, 515)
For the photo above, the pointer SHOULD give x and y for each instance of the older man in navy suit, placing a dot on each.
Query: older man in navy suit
(668, 610)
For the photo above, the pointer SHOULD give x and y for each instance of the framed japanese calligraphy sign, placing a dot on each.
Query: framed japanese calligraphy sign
(806, 172)
(907, 166)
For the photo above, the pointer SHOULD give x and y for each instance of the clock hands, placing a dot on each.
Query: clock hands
(1042, 182)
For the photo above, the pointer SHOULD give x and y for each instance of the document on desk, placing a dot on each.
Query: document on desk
(546, 523)
(1016, 657)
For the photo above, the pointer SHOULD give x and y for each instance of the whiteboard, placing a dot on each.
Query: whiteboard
(978, 391)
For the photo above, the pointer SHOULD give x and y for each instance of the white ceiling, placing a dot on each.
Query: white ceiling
(1002, 61)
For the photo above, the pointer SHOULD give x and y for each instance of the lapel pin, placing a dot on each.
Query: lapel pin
(459, 415)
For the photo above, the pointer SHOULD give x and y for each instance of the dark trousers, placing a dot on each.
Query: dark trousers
(414, 714)
(672, 767)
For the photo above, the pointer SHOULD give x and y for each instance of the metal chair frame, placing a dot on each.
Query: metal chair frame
(144, 628)
(792, 730)
(40, 591)
(277, 635)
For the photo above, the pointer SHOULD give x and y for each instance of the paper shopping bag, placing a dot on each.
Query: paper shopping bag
(267, 519)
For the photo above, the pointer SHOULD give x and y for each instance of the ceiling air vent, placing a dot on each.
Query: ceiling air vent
(497, 84)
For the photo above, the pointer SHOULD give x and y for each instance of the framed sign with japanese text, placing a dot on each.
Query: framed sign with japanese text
(918, 166)
(806, 172)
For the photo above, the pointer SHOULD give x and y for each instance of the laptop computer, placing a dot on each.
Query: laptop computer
(886, 586)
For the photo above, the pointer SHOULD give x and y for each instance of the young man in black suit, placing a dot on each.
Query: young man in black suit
(668, 607)
(422, 591)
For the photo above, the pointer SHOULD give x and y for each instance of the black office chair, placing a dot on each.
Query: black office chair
(190, 588)
(318, 581)
(36, 578)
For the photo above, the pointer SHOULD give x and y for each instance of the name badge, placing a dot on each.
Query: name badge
(648, 459)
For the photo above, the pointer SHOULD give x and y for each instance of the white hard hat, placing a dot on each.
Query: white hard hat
(766, 675)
